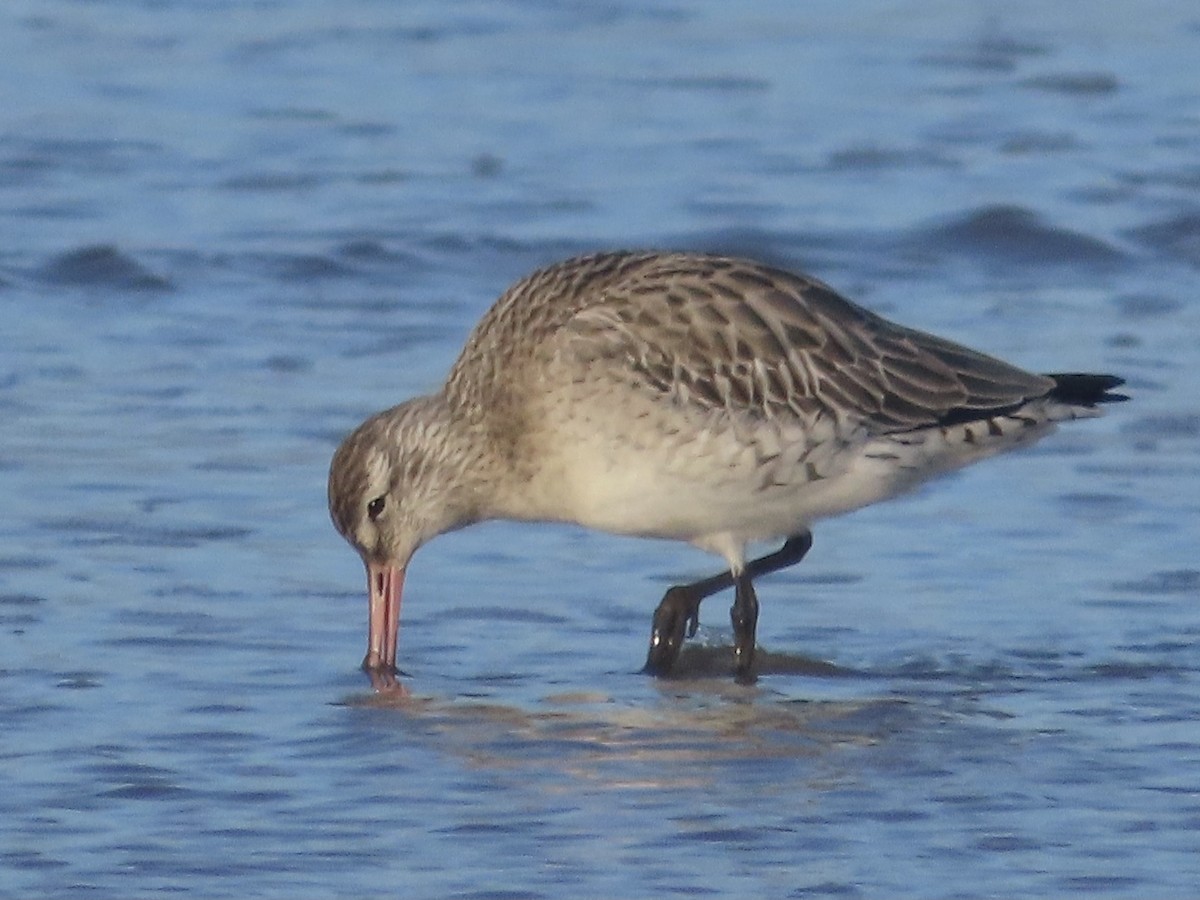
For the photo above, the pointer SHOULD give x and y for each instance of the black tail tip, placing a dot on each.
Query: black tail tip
(1086, 390)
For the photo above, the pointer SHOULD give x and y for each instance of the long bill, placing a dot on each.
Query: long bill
(385, 582)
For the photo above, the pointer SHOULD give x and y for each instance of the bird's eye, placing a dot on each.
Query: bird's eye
(375, 507)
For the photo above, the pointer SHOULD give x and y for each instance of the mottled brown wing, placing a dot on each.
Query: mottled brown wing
(735, 335)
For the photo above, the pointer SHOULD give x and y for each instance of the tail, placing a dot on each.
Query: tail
(1085, 390)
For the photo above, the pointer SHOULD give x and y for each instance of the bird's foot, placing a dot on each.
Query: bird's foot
(677, 618)
(743, 664)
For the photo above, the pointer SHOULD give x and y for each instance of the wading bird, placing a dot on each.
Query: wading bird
(699, 398)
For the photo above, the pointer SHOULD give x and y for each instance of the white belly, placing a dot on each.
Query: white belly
(719, 489)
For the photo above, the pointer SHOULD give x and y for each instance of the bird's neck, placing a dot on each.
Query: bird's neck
(459, 461)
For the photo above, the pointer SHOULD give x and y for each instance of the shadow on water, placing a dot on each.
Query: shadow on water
(697, 727)
(698, 661)
(680, 731)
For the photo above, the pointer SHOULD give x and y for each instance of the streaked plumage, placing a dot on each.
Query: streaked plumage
(685, 396)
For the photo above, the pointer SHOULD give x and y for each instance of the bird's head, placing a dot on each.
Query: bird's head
(394, 483)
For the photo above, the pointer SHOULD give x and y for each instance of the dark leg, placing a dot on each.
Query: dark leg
(744, 616)
(679, 612)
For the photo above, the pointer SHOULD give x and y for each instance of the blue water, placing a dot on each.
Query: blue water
(231, 230)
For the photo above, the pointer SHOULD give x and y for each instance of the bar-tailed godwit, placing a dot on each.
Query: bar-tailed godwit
(699, 398)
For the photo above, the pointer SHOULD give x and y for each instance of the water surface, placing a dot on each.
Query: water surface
(233, 230)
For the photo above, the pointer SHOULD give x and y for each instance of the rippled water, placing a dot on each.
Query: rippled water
(232, 230)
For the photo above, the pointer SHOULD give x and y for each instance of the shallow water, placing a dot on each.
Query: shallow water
(234, 230)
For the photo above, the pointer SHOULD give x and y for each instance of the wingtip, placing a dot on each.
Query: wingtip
(1083, 389)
